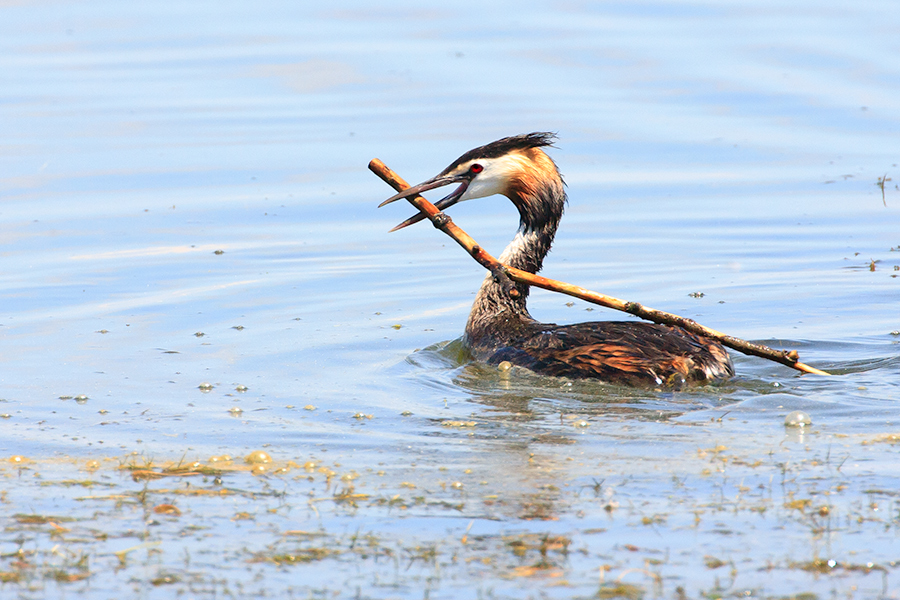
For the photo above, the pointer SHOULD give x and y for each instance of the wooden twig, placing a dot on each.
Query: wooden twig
(505, 273)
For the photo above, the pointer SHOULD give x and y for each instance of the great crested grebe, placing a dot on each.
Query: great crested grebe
(499, 327)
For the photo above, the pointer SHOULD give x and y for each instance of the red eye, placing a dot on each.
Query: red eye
(476, 168)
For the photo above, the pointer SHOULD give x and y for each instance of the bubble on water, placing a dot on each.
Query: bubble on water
(258, 457)
(797, 418)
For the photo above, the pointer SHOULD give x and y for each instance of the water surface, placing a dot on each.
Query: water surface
(184, 201)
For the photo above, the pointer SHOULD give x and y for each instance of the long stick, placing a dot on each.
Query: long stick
(504, 273)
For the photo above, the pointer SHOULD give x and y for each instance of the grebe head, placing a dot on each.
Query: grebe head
(514, 167)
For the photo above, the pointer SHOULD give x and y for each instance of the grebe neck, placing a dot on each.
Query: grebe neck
(526, 251)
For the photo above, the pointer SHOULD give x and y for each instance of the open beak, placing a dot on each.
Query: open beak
(434, 182)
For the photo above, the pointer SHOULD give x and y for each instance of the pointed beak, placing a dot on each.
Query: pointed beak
(434, 182)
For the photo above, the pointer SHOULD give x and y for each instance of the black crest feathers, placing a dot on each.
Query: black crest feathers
(504, 146)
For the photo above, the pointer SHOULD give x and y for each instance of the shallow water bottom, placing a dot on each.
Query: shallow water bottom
(531, 488)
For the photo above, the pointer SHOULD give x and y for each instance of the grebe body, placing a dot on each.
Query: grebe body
(500, 328)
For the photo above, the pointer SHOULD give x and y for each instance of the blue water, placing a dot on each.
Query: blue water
(733, 149)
